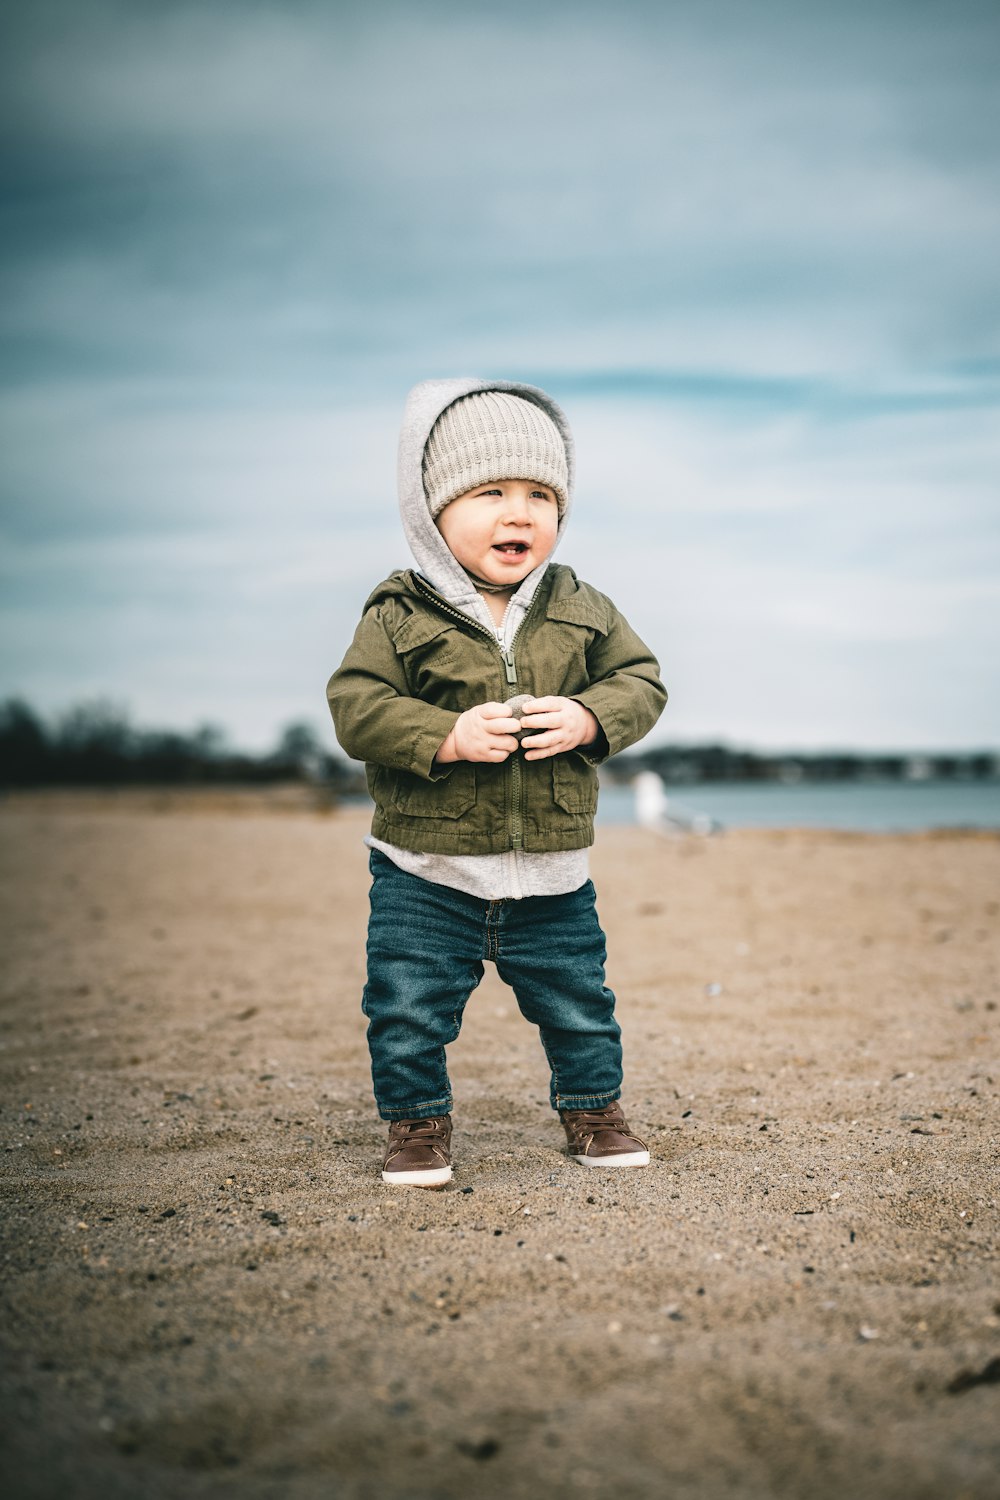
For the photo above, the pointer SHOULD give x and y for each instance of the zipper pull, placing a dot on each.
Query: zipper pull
(508, 662)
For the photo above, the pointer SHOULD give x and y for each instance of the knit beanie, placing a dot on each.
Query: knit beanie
(488, 436)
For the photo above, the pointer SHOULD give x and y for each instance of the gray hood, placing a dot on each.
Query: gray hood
(424, 405)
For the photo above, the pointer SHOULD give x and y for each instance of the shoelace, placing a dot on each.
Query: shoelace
(597, 1119)
(589, 1123)
(429, 1130)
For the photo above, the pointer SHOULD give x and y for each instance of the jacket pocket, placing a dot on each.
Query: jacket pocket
(451, 797)
(574, 785)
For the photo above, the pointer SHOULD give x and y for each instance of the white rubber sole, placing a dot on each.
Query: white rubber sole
(624, 1159)
(430, 1177)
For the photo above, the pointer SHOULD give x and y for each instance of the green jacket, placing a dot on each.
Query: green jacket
(417, 662)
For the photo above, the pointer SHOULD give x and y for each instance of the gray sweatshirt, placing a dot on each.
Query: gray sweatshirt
(492, 877)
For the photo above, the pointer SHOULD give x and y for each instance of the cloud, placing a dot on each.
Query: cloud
(635, 186)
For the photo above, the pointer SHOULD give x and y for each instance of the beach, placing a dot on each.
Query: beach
(208, 1291)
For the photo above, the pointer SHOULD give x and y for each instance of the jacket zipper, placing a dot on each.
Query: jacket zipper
(516, 783)
(516, 826)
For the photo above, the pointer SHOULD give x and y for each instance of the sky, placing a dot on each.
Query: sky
(750, 249)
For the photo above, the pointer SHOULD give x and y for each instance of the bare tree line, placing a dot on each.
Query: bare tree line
(96, 744)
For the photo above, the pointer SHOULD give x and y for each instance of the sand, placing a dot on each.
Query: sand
(207, 1290)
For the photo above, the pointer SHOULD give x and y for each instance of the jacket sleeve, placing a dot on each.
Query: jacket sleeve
(625, 694)
(376, 718)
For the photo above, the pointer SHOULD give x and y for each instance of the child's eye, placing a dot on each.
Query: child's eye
(541, 495)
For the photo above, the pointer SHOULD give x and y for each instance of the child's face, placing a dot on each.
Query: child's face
(501, 530)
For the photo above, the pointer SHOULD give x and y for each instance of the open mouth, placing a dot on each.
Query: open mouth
(511, 549)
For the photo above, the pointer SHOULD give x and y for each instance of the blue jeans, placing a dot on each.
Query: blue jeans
(426, 947)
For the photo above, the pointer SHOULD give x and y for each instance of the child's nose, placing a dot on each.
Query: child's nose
(517, 509)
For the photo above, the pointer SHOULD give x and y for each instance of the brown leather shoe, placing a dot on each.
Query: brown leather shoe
(601, 1138)
(418, 1153)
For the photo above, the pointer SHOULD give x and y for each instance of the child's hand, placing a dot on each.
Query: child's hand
(566, 724)
(485, 732)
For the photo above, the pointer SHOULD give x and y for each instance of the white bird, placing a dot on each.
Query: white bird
(654, 810)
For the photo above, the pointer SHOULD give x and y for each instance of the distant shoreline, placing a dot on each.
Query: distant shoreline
(864, 810)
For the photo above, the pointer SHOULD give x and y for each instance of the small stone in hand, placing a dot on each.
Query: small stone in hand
(517, 707)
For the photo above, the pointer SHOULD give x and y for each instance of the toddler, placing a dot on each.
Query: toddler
(482, 689)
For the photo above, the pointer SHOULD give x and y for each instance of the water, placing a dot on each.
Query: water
(860, 806)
